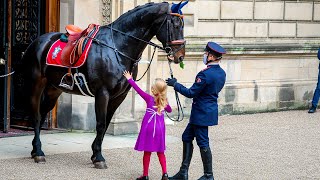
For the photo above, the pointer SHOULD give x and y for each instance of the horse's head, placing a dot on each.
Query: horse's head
(138, 26)
(170, 33)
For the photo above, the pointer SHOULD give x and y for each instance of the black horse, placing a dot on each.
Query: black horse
(117, 47)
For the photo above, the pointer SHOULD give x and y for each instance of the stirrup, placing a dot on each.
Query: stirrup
(65, 83)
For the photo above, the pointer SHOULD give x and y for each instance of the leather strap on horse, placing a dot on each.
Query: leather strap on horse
(5, 75)
(76, 51)
(80, 46)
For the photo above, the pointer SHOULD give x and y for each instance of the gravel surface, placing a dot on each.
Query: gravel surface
(279, 145)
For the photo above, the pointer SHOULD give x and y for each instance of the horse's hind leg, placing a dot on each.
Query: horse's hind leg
(48, 101)
(38, 87)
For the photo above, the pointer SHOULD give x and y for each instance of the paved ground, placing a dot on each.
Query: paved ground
(280, 145)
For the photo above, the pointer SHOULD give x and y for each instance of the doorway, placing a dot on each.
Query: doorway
(22, 22)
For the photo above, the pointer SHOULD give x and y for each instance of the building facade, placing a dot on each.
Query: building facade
(270, 63)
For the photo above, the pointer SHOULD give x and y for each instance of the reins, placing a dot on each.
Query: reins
(136, 61)
(139, 39)
(167, 49)
(148, 65)
(179, 106)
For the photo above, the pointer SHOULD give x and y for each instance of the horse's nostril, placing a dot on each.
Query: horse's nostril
(181, 58)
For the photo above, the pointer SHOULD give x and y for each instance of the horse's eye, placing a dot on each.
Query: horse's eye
(177, 22)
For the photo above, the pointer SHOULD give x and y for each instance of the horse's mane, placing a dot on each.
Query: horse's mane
(136, 10)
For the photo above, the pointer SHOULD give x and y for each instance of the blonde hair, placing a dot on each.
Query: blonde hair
(159, 90)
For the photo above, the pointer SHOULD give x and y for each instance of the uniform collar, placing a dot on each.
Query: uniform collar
(214, 64)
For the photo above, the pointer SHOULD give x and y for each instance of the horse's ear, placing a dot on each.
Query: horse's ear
(183, 4)
(176, 8)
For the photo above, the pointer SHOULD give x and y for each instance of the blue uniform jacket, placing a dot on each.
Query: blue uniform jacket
(204, 91)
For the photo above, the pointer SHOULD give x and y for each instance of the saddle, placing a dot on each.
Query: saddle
(75, 38)
(74, 48)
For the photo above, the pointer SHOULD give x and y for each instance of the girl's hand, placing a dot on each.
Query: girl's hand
(127, 74)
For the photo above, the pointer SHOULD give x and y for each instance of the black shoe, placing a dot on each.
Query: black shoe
(207, 177)
(143, 178)
(186, 158)
(165, 176)
(206, 157)
(312, 109)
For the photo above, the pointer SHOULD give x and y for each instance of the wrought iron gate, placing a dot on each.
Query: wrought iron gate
(27, 23)
(3, 27)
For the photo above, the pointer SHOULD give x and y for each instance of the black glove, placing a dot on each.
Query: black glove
(171, 81)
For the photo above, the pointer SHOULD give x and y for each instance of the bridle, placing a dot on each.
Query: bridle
(170, 42)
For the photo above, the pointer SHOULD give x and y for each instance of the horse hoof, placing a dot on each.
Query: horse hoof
(39, 159)
(100, 165)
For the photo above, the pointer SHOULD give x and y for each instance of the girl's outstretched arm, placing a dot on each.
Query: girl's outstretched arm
(143, 94)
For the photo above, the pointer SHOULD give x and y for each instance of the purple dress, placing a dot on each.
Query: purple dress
(152, 133)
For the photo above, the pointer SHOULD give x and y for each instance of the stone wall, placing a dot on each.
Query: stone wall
(255, 82)
(253, 18)
(271, 47)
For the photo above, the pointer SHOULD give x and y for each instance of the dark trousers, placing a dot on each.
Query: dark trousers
(316, 94)
(199, 132)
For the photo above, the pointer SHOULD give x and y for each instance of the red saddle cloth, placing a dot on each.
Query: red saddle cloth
(55, 51)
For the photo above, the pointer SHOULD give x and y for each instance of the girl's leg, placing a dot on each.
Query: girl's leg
(163, 163)
(146, 162)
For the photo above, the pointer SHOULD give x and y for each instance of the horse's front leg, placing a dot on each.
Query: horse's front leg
(112, 107)
(101, 108)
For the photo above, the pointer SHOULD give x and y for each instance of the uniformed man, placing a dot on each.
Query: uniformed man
(208, 83)
(316, 94)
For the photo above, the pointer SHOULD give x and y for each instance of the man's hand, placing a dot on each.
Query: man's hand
(171, 81)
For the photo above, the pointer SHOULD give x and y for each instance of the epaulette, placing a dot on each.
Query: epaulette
(208, 67)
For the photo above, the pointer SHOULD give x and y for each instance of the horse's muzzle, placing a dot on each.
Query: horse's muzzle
(172, 58)
(181, 58)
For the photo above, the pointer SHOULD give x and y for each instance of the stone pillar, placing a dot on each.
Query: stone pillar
(123, 121)
(74, 111)
(87, 12)
(66, 14)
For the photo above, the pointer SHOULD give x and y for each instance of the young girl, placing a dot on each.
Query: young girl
(152, 133)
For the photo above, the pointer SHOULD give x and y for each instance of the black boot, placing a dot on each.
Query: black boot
(206, 157)
(143, 178)
(186, 158)
(312, 109)
(165, 176)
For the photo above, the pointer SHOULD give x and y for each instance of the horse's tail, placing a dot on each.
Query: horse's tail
(27, 69)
